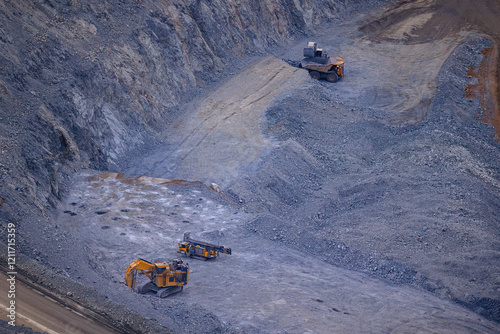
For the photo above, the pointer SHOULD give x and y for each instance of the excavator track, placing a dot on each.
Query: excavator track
(146, 288)
(168, 291)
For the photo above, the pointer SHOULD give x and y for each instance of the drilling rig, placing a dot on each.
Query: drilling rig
(200, 249)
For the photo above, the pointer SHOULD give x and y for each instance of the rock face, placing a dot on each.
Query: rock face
(395, 178)
(86, 83)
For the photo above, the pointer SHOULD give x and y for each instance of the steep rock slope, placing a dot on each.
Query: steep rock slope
(85, 83)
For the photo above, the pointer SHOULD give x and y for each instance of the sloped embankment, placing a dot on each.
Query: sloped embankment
(85, 83)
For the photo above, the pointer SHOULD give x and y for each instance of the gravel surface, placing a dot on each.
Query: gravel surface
(367, 205)
(396, 180)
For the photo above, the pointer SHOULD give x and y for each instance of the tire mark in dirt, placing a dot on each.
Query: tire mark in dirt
(401, 78)
(223, 131)
(433, 28)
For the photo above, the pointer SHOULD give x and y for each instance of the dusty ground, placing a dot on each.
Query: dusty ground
(54, 319)
(224, 129)
(368, 205)
(364, 206)
(264, 287)
(424, 21)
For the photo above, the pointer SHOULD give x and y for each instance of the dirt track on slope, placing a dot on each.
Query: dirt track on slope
(424, 21)
(223, 132)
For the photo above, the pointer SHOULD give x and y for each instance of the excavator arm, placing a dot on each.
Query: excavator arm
(145, 267)
(166, 278)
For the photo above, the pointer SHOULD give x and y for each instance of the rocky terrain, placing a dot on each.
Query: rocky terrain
(367, 205)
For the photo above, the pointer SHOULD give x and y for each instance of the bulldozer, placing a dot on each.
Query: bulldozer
(320, 65)
(165, 278)
(200, 249)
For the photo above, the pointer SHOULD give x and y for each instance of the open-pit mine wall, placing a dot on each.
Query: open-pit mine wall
(85, 83)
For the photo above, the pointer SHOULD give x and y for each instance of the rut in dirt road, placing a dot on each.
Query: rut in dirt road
(223, 132)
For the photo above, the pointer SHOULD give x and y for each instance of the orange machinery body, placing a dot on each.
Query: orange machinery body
(320, 65)
(200, 249)
(165, 278)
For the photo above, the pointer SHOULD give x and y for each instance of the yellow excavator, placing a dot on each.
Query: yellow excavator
(165, 278)
(200, 249)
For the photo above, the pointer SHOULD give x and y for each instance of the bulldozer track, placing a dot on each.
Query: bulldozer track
(229, 119)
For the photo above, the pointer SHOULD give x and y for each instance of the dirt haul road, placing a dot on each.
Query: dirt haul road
(263, 287)
(224, 131)
(35, 310)
(368, 205)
